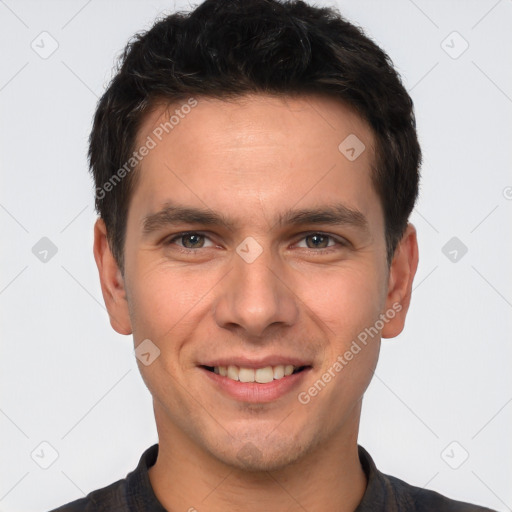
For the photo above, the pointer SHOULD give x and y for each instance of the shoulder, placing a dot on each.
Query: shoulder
(386, 492)
(109, 498)
(125, 494)
(425, 500)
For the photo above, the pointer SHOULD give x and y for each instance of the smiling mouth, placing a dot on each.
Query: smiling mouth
(257, 375)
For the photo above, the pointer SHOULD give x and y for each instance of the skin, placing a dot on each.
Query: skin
(252, 159)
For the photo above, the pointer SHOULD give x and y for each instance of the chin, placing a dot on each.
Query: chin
(270, 453)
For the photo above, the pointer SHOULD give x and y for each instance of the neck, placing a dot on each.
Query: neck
(185, 477)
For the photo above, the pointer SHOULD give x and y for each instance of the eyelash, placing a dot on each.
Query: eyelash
(339, 242)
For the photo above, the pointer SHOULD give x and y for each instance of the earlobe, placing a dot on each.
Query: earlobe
(111, 280)
(401, 276)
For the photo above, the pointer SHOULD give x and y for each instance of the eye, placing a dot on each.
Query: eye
(191, 240)
(317, 242)
(320, 241)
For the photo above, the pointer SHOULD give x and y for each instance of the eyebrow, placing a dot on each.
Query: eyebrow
(171, 214)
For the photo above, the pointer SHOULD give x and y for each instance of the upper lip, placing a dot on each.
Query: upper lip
(251, 362)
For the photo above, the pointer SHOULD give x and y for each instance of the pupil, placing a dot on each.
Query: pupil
(318, 238)
(186, 238)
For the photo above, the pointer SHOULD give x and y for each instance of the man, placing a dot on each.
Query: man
(256, 164)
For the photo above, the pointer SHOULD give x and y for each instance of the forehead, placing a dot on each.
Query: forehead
(255, 118)
(255, 153)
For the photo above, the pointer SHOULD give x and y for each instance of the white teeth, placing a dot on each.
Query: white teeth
(246, 375)
(278, 372)
(260, 375)
(232, 372)
(264, 375)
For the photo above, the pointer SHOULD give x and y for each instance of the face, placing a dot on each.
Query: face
(255, 247)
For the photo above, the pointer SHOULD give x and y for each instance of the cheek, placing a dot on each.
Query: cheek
(346, 300)
(166, 296)
(348, 305)
(166, 303)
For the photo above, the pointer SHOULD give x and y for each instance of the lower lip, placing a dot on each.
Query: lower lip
(254, 392)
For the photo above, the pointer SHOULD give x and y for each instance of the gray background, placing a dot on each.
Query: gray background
(442, 390)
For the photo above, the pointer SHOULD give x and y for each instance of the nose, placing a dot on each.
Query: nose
(256, 298)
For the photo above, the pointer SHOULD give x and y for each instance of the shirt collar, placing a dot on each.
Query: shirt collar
(140, 495)
(379, 494)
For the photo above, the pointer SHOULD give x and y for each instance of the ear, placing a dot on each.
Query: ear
(112, 282)
(401, 275)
